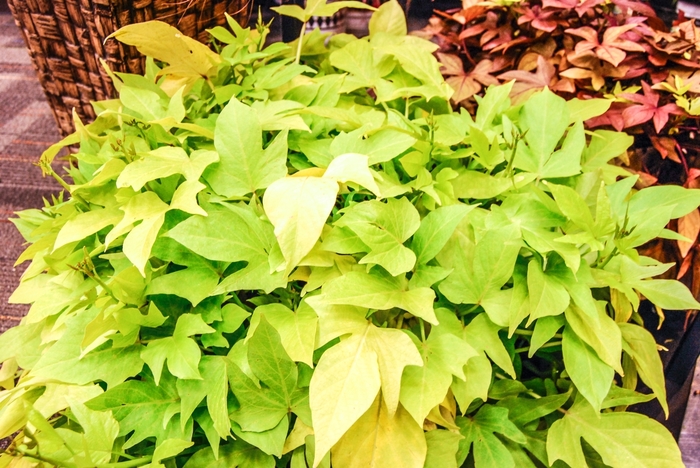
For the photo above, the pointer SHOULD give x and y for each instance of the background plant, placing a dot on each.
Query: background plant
(268, 263)
(619, 51)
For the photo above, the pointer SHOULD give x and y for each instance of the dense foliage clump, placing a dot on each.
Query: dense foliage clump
(619, 51)
(300, 255)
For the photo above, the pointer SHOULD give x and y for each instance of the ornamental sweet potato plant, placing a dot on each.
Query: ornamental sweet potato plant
(619, 51)
(301, 256)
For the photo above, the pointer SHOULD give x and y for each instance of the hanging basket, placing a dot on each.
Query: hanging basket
(66, 39)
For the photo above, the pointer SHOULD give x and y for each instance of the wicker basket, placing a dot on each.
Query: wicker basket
(65, 38)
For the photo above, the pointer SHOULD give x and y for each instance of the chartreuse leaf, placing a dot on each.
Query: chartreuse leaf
(383, 228)
(136, 405)
(600, 332)
(357, 58)
(244, 166)
(297, 330)
(200, 284)
(92, 446)
(262, 408)
(298, 206)
(588, 372)
(150, 210)
(379, 290)
(623, 440)
(619, 396)
(522, 411)
(604, 146)
(442, 449)
(271, 442)
(667, 294)
(381, 146)
(641, 347)
(476, 383)
(543, 119)
(650, 210)
(236, 454)
(484, 268)
(23, 344)
(395, 351)
(584, 109)
(318, 8)
(381, 438)
(213, 387)
(390, 19)
(545, 329)
(480, 437)
(185, 56)
(232, 316)
(573, 206)
(482, 335)
(146, 103)
(168, 449)
(424, 387)
(475, 184)
(180, 351)
(565, 162)
(100, 430)
(87, 224)
(547, 295)
(66, 363)
(232, 234)
(436, 229)
(163, 162)
(415, 56)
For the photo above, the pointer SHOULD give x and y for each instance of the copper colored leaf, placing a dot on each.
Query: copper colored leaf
(612, 48)
(539, 19)
(688, 226)
(666, 146)
(648, 109)
(544, 75)
(466, 84)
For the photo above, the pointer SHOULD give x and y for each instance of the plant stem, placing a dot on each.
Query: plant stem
(41, 458)
(301, 39)
(238, 302)
(47, 169)
(547, 345)
(609, 257)
(422, 329)
(399, 322)
(471, 309)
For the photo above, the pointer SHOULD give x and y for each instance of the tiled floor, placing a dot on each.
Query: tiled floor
(27, 128)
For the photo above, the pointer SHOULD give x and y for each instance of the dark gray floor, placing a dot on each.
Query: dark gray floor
(27, 128)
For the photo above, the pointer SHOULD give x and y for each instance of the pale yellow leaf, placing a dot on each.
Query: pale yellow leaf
(381, 439)
(352, 167)
(185, 198)
(395, 351)
(139, 242)
(343, 387)
(186, 56)
(298, 208)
